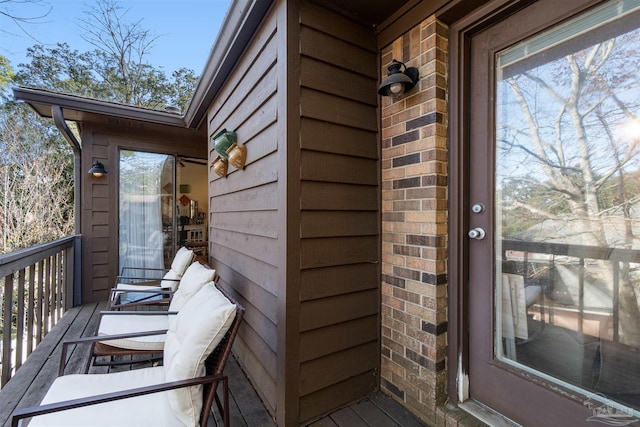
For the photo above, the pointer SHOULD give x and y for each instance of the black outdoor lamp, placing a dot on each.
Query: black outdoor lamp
(399, 82)
(97, 169)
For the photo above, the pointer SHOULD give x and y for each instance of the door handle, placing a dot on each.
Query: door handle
(477, 233)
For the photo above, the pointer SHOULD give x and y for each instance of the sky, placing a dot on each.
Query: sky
(186, 29)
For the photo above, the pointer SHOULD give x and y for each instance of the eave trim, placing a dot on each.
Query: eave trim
(76, 103)
(241, 22)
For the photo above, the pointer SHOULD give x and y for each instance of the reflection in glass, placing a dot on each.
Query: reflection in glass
(568, 204)
(146, 211)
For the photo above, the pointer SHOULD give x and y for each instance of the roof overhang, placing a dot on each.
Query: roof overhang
(80, 109)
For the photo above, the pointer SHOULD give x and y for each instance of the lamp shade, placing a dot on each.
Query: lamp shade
(223, 140)
(397, 81)
(97, 169)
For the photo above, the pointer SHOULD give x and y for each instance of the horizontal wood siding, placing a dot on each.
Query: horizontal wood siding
(339, 220)
(245, 241)
(99, 217)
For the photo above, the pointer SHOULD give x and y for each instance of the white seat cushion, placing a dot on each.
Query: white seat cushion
(192, 280)
(151, 410)
(196, 331)
(131, 323)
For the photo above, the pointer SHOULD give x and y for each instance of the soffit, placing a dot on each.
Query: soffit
(89, 110)
(368, 12)
(79, 108)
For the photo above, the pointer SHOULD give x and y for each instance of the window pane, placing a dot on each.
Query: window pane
(567, 211)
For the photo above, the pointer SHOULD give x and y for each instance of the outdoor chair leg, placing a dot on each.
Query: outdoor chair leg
(223, 407)
(225, 391)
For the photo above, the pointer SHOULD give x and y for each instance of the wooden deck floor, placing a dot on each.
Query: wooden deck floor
(29, 385)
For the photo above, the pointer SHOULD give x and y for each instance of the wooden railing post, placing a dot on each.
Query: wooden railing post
(7, 311)
(31, 308)
(68, 277)
(19, 319)
(38, 287)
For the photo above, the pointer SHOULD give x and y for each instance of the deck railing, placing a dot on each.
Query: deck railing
(37, 286)
(579, 256)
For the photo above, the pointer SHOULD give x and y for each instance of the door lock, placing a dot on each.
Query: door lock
(477, 233)
(477, 208)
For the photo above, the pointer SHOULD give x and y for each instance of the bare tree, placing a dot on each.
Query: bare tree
(568, 130)
(123, 43)
(9, 10)
(35, 179)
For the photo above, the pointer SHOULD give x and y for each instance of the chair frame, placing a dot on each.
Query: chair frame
(100, 349)
(114, 299)
(144, 301)
(167, 294)
(214, 365)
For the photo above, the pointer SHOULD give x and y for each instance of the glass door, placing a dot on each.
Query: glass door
(555, 260)
(147, 209)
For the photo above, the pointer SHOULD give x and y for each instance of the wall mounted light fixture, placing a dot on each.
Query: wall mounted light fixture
(223, 140)
(220, 166)
(399, 82)
(237, 155)
(97, 169)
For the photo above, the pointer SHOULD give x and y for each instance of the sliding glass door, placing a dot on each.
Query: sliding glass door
(146, 210)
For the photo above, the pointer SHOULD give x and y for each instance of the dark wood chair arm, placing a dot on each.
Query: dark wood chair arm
(146, 281)
(33, 411)
(115, 294)
(143, 269)
(137, 313)
(95, 338)
(98, 338)
(164, 291)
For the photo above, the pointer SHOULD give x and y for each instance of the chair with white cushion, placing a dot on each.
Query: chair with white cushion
(114, 323)
(132, 291)
(178, 393)
(516, 300)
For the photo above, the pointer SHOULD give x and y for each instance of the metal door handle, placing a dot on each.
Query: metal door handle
(477, 233)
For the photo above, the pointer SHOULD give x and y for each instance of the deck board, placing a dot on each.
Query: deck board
(28, 386)
(395, 411)
(372, 415)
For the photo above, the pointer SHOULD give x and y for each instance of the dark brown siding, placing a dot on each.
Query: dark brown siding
(246, 239)
(295, 235)
(339, 220)
(99, 222)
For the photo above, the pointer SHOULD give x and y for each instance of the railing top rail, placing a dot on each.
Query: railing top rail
(24, 257)
(576, 251)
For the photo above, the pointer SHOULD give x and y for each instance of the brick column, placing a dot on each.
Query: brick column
(414, 225)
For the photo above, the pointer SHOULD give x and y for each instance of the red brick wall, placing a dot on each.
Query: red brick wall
(414, 225)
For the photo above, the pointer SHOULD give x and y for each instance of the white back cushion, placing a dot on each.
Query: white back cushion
(182, 260)
(190, 283)
(198, 329)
